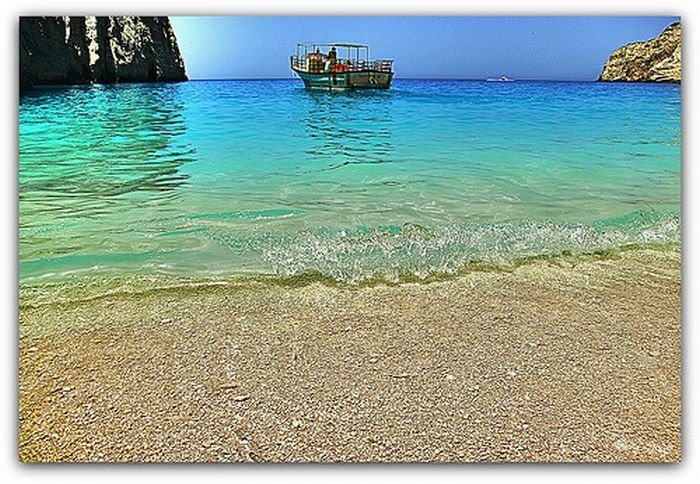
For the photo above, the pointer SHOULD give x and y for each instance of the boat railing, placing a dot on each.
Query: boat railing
(349, 65)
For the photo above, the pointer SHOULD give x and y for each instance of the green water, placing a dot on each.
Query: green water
(225, 178)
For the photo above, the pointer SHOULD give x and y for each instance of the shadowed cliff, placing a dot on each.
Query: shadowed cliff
(656, 60)
(84, 50)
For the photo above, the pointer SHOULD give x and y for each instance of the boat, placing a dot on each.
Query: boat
(340, 67)
(499, 79)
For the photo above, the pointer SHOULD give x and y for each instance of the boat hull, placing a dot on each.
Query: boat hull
(343, 81)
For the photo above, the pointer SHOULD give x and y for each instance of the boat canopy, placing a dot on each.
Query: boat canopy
(353, 52)
(352, 57)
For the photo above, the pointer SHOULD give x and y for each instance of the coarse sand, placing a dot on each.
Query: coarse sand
(574, 359)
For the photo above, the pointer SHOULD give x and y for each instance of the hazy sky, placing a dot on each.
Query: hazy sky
(572, 48)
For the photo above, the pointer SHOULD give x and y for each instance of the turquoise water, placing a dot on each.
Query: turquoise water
(223, 178)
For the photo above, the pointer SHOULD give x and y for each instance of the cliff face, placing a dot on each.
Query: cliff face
(656, 60)
(82, 50)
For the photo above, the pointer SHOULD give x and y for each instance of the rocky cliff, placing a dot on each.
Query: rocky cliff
(82, 50)
(656, 60)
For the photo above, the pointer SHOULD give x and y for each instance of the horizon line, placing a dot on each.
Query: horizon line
(395, 78)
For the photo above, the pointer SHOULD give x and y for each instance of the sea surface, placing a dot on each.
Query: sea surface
(228, 178)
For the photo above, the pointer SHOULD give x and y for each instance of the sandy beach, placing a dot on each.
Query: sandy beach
(570, 359)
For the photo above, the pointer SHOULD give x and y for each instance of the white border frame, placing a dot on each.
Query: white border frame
(523, 473)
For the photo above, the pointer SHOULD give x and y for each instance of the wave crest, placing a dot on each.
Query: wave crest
(412, 250)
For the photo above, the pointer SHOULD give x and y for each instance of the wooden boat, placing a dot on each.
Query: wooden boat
(322, 67)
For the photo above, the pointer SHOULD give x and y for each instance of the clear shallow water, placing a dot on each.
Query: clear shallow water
(224, 178)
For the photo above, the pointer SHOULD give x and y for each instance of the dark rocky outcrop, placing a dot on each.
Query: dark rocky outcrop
(656, 60)
(83, 50)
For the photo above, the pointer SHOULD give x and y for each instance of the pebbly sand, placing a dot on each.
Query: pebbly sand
(560, 360)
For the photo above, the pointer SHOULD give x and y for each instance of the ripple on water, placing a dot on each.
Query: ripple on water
(250, 177)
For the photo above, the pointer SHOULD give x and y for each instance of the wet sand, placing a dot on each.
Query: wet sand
(560, 360)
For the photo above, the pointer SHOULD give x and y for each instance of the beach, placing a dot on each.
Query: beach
(571, 358)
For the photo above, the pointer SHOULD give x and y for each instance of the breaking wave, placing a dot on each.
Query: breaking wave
(416, 251)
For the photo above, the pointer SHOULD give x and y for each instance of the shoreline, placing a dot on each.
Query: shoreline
(68, 290)
(553, 360)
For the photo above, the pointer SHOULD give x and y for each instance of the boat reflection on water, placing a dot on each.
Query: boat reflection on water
(341, 134)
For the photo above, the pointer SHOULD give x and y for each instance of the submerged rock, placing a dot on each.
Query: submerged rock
(656, 60)
(84, 50)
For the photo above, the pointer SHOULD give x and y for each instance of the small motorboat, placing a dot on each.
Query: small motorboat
(340, 67)
(499, 79)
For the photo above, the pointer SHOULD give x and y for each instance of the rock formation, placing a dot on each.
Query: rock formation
(83, 50)
(656, 60)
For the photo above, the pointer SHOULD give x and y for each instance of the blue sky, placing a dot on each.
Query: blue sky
(565, 48)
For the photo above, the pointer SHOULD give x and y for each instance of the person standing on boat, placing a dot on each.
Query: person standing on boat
(332, 60)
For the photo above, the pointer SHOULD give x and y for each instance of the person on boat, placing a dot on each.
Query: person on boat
(332, 58)
(316, 61)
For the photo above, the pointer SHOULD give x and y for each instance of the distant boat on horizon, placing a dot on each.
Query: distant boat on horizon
(499, 79)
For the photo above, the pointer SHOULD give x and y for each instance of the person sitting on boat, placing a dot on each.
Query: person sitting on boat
(315, 61)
